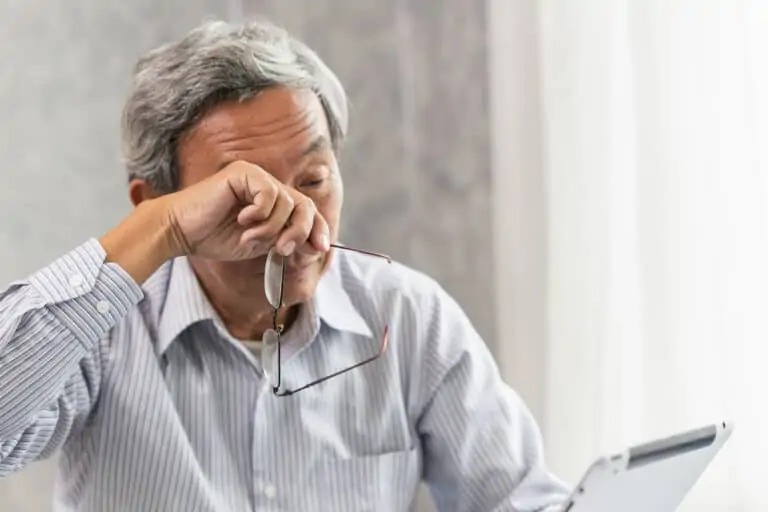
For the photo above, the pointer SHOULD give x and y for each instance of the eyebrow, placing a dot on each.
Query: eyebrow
(320, 143)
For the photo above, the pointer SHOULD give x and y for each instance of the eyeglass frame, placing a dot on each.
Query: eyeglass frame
(278, 329)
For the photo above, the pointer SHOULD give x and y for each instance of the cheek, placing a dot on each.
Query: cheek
(330, 208)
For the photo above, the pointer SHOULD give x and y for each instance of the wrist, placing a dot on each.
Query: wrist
(143, 241)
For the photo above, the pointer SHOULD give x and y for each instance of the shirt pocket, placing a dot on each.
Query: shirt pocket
(373, 483)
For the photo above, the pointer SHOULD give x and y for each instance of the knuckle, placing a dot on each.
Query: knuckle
(307, 215)
(231, 168)
(307, 206)
(239, 167)
(271, 188)
(246, 166)
(310, 205)
(288, 199)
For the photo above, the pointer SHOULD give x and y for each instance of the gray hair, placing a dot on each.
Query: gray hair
(176, 84)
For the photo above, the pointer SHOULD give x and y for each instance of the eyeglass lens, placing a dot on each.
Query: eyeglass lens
(274, 282)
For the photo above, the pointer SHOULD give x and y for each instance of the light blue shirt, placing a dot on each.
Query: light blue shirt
(156, 408)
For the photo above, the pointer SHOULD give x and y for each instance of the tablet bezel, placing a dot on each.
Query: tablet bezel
(709, 438)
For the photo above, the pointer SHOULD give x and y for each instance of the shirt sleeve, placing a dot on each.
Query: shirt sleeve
(51, 328)
(482, 447)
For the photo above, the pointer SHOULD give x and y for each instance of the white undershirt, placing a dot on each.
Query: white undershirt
(254, 347)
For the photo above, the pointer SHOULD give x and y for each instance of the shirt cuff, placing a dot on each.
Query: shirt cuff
(88, 295)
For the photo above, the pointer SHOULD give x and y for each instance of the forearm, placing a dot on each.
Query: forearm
(43, 381)
(53, 320)
(51, 330)
(143, 241)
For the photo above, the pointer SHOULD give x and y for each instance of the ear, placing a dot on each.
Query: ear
(140, 191)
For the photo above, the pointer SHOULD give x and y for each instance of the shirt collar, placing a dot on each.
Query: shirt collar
(186, 304)
(334, 306)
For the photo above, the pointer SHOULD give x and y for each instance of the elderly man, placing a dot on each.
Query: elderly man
(220, 351)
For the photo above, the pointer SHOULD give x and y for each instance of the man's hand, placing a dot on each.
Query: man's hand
(238, 213)
(241, 212)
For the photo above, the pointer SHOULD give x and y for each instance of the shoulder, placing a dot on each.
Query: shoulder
(430, 334)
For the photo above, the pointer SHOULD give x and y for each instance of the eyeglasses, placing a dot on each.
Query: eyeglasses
(274, 284)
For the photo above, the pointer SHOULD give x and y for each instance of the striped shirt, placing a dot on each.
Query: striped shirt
(154, 406)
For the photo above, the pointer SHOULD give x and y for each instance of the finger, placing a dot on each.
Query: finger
(245, 180)
(262, 206)
(299, 227)
(320, 236)
(270, 228)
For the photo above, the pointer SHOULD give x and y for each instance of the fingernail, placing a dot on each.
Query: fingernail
(288, 248)
(325, 241)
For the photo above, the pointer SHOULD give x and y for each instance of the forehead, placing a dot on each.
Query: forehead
(272, 129)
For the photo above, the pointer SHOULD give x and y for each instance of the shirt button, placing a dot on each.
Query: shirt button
(270, 491)
(103, 307)
(76, 281)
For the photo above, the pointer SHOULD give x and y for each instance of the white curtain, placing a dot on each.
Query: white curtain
(654, 153)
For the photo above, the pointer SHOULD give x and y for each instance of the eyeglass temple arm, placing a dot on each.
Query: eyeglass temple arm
(363, 251)
(382, 349)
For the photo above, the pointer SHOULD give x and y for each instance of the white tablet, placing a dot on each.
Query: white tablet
(651, 477)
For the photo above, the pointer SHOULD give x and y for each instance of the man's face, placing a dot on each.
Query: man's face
(284, 132)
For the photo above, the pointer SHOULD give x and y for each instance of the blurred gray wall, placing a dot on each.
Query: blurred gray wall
(416, 166)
